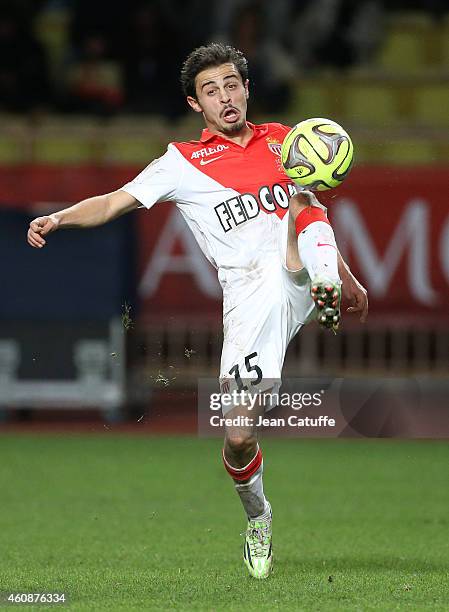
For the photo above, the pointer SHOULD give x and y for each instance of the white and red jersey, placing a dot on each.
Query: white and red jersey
(232, 198)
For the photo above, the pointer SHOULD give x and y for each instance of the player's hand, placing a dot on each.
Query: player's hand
(40, 227)
(356, 295)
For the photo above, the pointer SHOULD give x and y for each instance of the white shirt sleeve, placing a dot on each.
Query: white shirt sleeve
(158, 182)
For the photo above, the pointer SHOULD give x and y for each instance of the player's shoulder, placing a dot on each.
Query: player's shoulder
(273, 128)
(195, 149)
(188, 145)
(175, 152)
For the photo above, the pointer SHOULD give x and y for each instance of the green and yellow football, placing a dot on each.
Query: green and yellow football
(317, 154)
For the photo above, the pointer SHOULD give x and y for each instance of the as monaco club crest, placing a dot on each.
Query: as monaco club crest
(275, 146)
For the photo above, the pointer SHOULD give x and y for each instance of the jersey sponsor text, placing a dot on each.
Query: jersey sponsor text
(244, 207)
(206, 151)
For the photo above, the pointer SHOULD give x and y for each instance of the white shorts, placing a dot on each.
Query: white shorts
(258, 329)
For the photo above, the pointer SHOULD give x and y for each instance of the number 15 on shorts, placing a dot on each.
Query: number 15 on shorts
(235, 371)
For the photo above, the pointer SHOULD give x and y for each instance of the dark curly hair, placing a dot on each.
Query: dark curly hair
(214, 54)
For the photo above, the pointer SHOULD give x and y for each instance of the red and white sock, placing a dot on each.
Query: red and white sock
(316, 244)
(248, 483)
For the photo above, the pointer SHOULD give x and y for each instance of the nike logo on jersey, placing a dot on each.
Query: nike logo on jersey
(325, 244)
(203, 162)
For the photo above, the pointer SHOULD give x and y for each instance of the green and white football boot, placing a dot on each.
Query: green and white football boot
(257, 551)
(327, 297)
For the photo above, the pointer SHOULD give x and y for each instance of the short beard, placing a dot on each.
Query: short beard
(234, 127)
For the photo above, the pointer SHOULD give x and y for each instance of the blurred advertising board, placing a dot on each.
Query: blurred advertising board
(62, 337)
(392, 226)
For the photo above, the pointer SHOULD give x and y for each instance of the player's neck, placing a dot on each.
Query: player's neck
(242, 137)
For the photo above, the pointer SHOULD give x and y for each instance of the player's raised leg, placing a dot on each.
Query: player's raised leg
(311, 244)
(242, 458)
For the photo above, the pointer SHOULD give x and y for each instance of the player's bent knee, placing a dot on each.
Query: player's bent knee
(242, 467)
(240, 443)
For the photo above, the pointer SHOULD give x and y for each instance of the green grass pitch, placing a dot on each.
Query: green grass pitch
(143, 523)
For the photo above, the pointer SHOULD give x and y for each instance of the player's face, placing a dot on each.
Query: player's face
(222, 98)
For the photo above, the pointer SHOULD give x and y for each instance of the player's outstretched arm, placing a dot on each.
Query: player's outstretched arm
(87, 213)
(353, 291)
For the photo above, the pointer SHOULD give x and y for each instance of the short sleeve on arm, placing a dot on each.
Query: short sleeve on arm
(158, 182)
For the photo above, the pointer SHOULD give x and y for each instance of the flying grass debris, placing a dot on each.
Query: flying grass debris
(127, 321)
(160, 378)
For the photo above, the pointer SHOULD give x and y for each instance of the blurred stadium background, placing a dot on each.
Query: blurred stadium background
(119, 322)
(107, 331)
